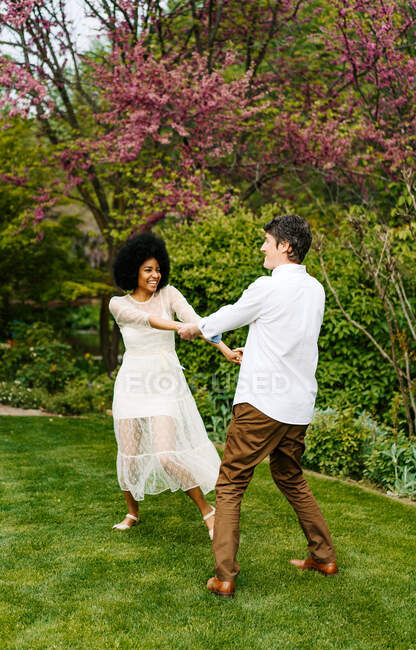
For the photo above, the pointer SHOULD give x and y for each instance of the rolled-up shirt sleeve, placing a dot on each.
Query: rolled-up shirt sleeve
(243, 312)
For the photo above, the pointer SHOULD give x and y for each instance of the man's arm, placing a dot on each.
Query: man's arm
(246, 310)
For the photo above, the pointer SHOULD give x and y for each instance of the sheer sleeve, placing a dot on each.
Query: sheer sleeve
(125, 313)
(181, 307)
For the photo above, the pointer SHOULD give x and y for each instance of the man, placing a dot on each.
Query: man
(275, 395)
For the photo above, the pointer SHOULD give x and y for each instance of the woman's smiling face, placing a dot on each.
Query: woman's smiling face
(149, 276)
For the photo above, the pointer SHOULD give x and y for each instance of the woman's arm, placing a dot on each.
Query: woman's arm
(128, 314)
(158, 323)
(235, 356)
(163, 323)
(187, 314)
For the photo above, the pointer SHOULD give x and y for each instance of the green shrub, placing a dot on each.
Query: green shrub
(391, 463)
(77, 397)
(37, 360)
(82, 396)
(351, 371)
(214, 394)
(84, 317)
(40, 372)
(213, 261)
(340, 444)
(337, 442)
(14, 393)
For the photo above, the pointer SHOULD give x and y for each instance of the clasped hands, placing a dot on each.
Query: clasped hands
(190, 331)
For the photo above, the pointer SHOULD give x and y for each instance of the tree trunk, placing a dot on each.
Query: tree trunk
(109, 339)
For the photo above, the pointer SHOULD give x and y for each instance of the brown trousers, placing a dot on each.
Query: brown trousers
(251, 437)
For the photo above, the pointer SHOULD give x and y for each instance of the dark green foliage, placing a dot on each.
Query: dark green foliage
(82, 396)
(14, 394)
(40, 371)
(213, 261)
(85, 317)
(45, 261)
(386, 465)
(37, 360)
(339, 443)
(336, 443)
(366, 263)
(78, 396)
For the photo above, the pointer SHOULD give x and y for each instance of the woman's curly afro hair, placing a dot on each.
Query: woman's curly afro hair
(134, 253)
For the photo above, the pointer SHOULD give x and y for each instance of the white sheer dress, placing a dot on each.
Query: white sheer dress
(161, 438)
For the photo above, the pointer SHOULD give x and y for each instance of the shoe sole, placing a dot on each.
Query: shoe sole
(312, 568)
(220, 594)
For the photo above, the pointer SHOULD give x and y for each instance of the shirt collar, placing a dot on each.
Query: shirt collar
(292, 268)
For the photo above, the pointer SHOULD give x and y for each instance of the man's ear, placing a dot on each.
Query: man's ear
(285, 247)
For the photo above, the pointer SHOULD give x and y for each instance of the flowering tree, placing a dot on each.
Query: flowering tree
(104, 110)
(179, 103)
(342, 101)
(173, 87)
(127, 128)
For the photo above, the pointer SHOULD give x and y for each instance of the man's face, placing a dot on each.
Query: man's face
(272, 255)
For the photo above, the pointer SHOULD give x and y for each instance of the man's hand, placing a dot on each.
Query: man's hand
(189, 331)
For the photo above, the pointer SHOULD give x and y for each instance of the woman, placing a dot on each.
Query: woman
(162, 442)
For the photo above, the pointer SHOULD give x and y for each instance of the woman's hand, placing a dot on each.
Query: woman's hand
(235, 356)
(188, 331)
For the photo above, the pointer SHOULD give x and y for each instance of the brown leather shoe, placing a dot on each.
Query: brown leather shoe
(221, 588)
(327, 569)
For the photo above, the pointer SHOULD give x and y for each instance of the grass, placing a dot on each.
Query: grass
(68, 581)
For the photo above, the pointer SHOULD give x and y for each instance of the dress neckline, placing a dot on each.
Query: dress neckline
(141, 302)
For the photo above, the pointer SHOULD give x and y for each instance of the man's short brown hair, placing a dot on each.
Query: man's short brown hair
(293, 229)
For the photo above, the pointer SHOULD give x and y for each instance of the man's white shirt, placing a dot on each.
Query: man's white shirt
(285, 312)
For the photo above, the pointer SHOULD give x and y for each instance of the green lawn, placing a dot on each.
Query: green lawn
(69, 581)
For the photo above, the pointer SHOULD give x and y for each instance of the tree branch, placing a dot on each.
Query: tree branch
(349, 318)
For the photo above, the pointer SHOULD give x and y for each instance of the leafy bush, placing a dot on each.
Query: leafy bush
(337, 442)
(214, 398)
(39, 371)
(14, 393)
(352, 369)
(82, 396)
(84, 317)
(404, 472)
(213, 261)
(340, 444)
(392, 464)
(77, 397)
(38, 360)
